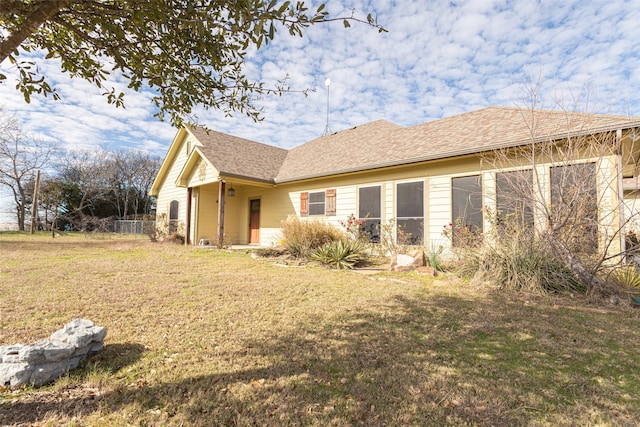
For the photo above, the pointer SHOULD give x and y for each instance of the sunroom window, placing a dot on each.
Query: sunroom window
(370, 210)
(410, 212)
(466, 207)
(514, 200)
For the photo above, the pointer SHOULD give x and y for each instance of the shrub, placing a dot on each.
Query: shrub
(302, 237)
(514, 264)
(175, 238)
(392, 239)
(340, 254)
(512, 257)
(354, 229)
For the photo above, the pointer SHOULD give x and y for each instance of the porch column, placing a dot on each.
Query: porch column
(187, 227)
(221, 191)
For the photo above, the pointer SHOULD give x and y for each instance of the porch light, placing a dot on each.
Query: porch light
(231, 192)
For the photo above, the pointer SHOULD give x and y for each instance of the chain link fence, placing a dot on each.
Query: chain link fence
(133, 226)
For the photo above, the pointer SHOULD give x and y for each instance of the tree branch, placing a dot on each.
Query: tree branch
(43, 12)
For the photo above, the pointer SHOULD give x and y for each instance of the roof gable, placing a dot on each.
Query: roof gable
(168, 161)
(233, 156)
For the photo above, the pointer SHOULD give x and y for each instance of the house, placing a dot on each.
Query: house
(421, 177)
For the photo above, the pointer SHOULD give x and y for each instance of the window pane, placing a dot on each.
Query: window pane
(410, 196)
(173, 210)
(410, 207)
(410, 231)
(466, 201)
(574, 205)
(372, 228)
(370, 210)
(316, 197)
(514, 198)
(316, 203)
(369, 202)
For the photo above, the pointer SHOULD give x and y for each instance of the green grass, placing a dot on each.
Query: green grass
(207, 338)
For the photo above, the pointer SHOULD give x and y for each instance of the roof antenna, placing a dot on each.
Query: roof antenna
(327, 129)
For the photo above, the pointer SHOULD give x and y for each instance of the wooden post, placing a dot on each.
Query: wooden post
(187, 231)
(221, 189)
(34, 202)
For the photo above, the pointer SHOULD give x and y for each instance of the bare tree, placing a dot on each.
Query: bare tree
(132, 176)
(21, 155)
(567, 190)
(86, 176)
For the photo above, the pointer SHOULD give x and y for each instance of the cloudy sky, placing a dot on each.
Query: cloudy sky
(438, 59)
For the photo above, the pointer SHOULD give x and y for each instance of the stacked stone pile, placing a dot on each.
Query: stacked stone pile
(44, 361)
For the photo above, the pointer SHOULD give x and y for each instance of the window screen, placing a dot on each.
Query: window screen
(410, 212)
(466, 201)
(316, 203)
(574, 205)
(173, 210)
(514, 199)
(370, 210)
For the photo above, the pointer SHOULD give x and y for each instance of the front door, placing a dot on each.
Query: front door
(254, 221)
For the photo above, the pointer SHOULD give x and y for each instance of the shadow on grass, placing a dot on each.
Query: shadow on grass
(71, 401)
(417, 361)
(115, 357)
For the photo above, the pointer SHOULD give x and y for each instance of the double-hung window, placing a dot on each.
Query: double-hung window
(370, 210)
(410, 212)
(318, 203)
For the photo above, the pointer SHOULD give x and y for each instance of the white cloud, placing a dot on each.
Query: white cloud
(438, 59)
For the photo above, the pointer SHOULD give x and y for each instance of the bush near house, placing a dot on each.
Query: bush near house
(302, 237)
(512, 257)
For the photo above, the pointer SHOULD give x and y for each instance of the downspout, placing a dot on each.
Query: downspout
(221, 190)
(187, 231)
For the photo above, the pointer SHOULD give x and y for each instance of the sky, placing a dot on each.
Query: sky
(438, 59)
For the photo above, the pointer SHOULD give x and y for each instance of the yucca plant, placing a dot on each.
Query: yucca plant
(629, 278)
(340, 254)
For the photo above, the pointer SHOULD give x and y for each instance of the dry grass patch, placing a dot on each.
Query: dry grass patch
(200, 337)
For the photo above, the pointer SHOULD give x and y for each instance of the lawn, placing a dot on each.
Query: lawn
(205, 337)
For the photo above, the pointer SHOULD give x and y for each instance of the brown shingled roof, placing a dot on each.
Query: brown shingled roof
(382, 143)
(498, 127)
(240, 157)
(346, 150)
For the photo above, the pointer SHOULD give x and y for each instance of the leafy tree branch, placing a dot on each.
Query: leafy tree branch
(191, 53)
